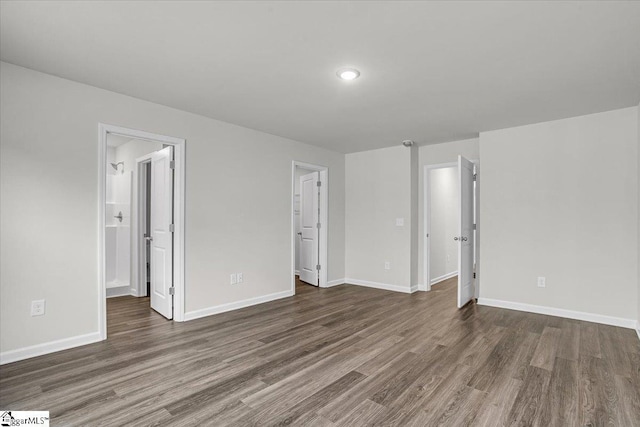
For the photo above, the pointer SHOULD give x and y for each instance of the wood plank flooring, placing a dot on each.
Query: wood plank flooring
(342, 356)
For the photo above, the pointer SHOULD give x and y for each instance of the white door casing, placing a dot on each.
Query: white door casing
(465, 232)
(161, 234)
(309, 219)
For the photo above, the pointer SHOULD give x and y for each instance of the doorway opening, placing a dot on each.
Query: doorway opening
(309, 225)
(141, 221)
(450, 223)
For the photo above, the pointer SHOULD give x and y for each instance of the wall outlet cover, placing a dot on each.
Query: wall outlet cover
(387, 265)
(239, 277)
(234, 279)
(37, 307)
(400, 222)
(542, 282)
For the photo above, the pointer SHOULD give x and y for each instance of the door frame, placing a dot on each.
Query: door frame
(426, 252)
(323, 235)
(179, 145)
(140, 245)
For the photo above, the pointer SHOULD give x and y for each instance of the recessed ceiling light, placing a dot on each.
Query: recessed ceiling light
(348, 73)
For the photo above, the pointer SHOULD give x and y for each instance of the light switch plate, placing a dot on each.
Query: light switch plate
(399, 222)
(387, 265)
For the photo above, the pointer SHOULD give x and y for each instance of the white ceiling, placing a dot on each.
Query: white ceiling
(431, 71)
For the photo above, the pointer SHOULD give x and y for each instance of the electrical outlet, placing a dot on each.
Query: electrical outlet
(399, 222)
(542, 282)
(239, 277)
(234, 279)
(37, 307)
(387, 265)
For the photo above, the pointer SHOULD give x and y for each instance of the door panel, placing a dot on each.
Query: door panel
(162, 237)
(465, 232)
(309, 228)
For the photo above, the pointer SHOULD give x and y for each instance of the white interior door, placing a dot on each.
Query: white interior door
(161, 246)
(465, 232)
(309, 214)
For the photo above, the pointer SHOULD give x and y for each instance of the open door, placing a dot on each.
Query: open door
(161, 246)
(309, 214)
(465, 232)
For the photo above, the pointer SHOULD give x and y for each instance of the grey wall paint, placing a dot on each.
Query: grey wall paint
(238, 204)
(415, 216)
(378, 190)
(560, 200)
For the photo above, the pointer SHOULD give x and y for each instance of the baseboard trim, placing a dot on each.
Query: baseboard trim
(638, 328)
(378, 285)
(336, 282)
(48, 347)
(119, 291)
(415, 288)
(210, 311)
(422, 288)
(559, 312)
(444, 277)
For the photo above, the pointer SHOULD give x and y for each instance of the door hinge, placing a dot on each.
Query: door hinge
(172, 164)
(474, 226)
(172, 228)
(319, 183)
(172, 291)
(475, 176)
(319, 225)
(474, 275)
(318, 267)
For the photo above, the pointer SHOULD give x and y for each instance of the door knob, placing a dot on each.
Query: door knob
(456, 238)
(462, 239)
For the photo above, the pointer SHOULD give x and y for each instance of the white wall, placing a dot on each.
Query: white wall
(560, 200)
(433, 155)
(444, 222)
(238, 204)
(638, 313)
(378, 190)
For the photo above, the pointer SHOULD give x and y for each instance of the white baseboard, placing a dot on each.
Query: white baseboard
(209, 311)
(297, 272)
(336, 282)
(638, 328)
(422, 288)
(118, 292)
(48, 347)
(133, 292)
(444, 277)
(559, 312)
(378, 285)
(415, 288)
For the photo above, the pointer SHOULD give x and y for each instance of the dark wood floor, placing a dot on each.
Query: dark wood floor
(347, 355)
